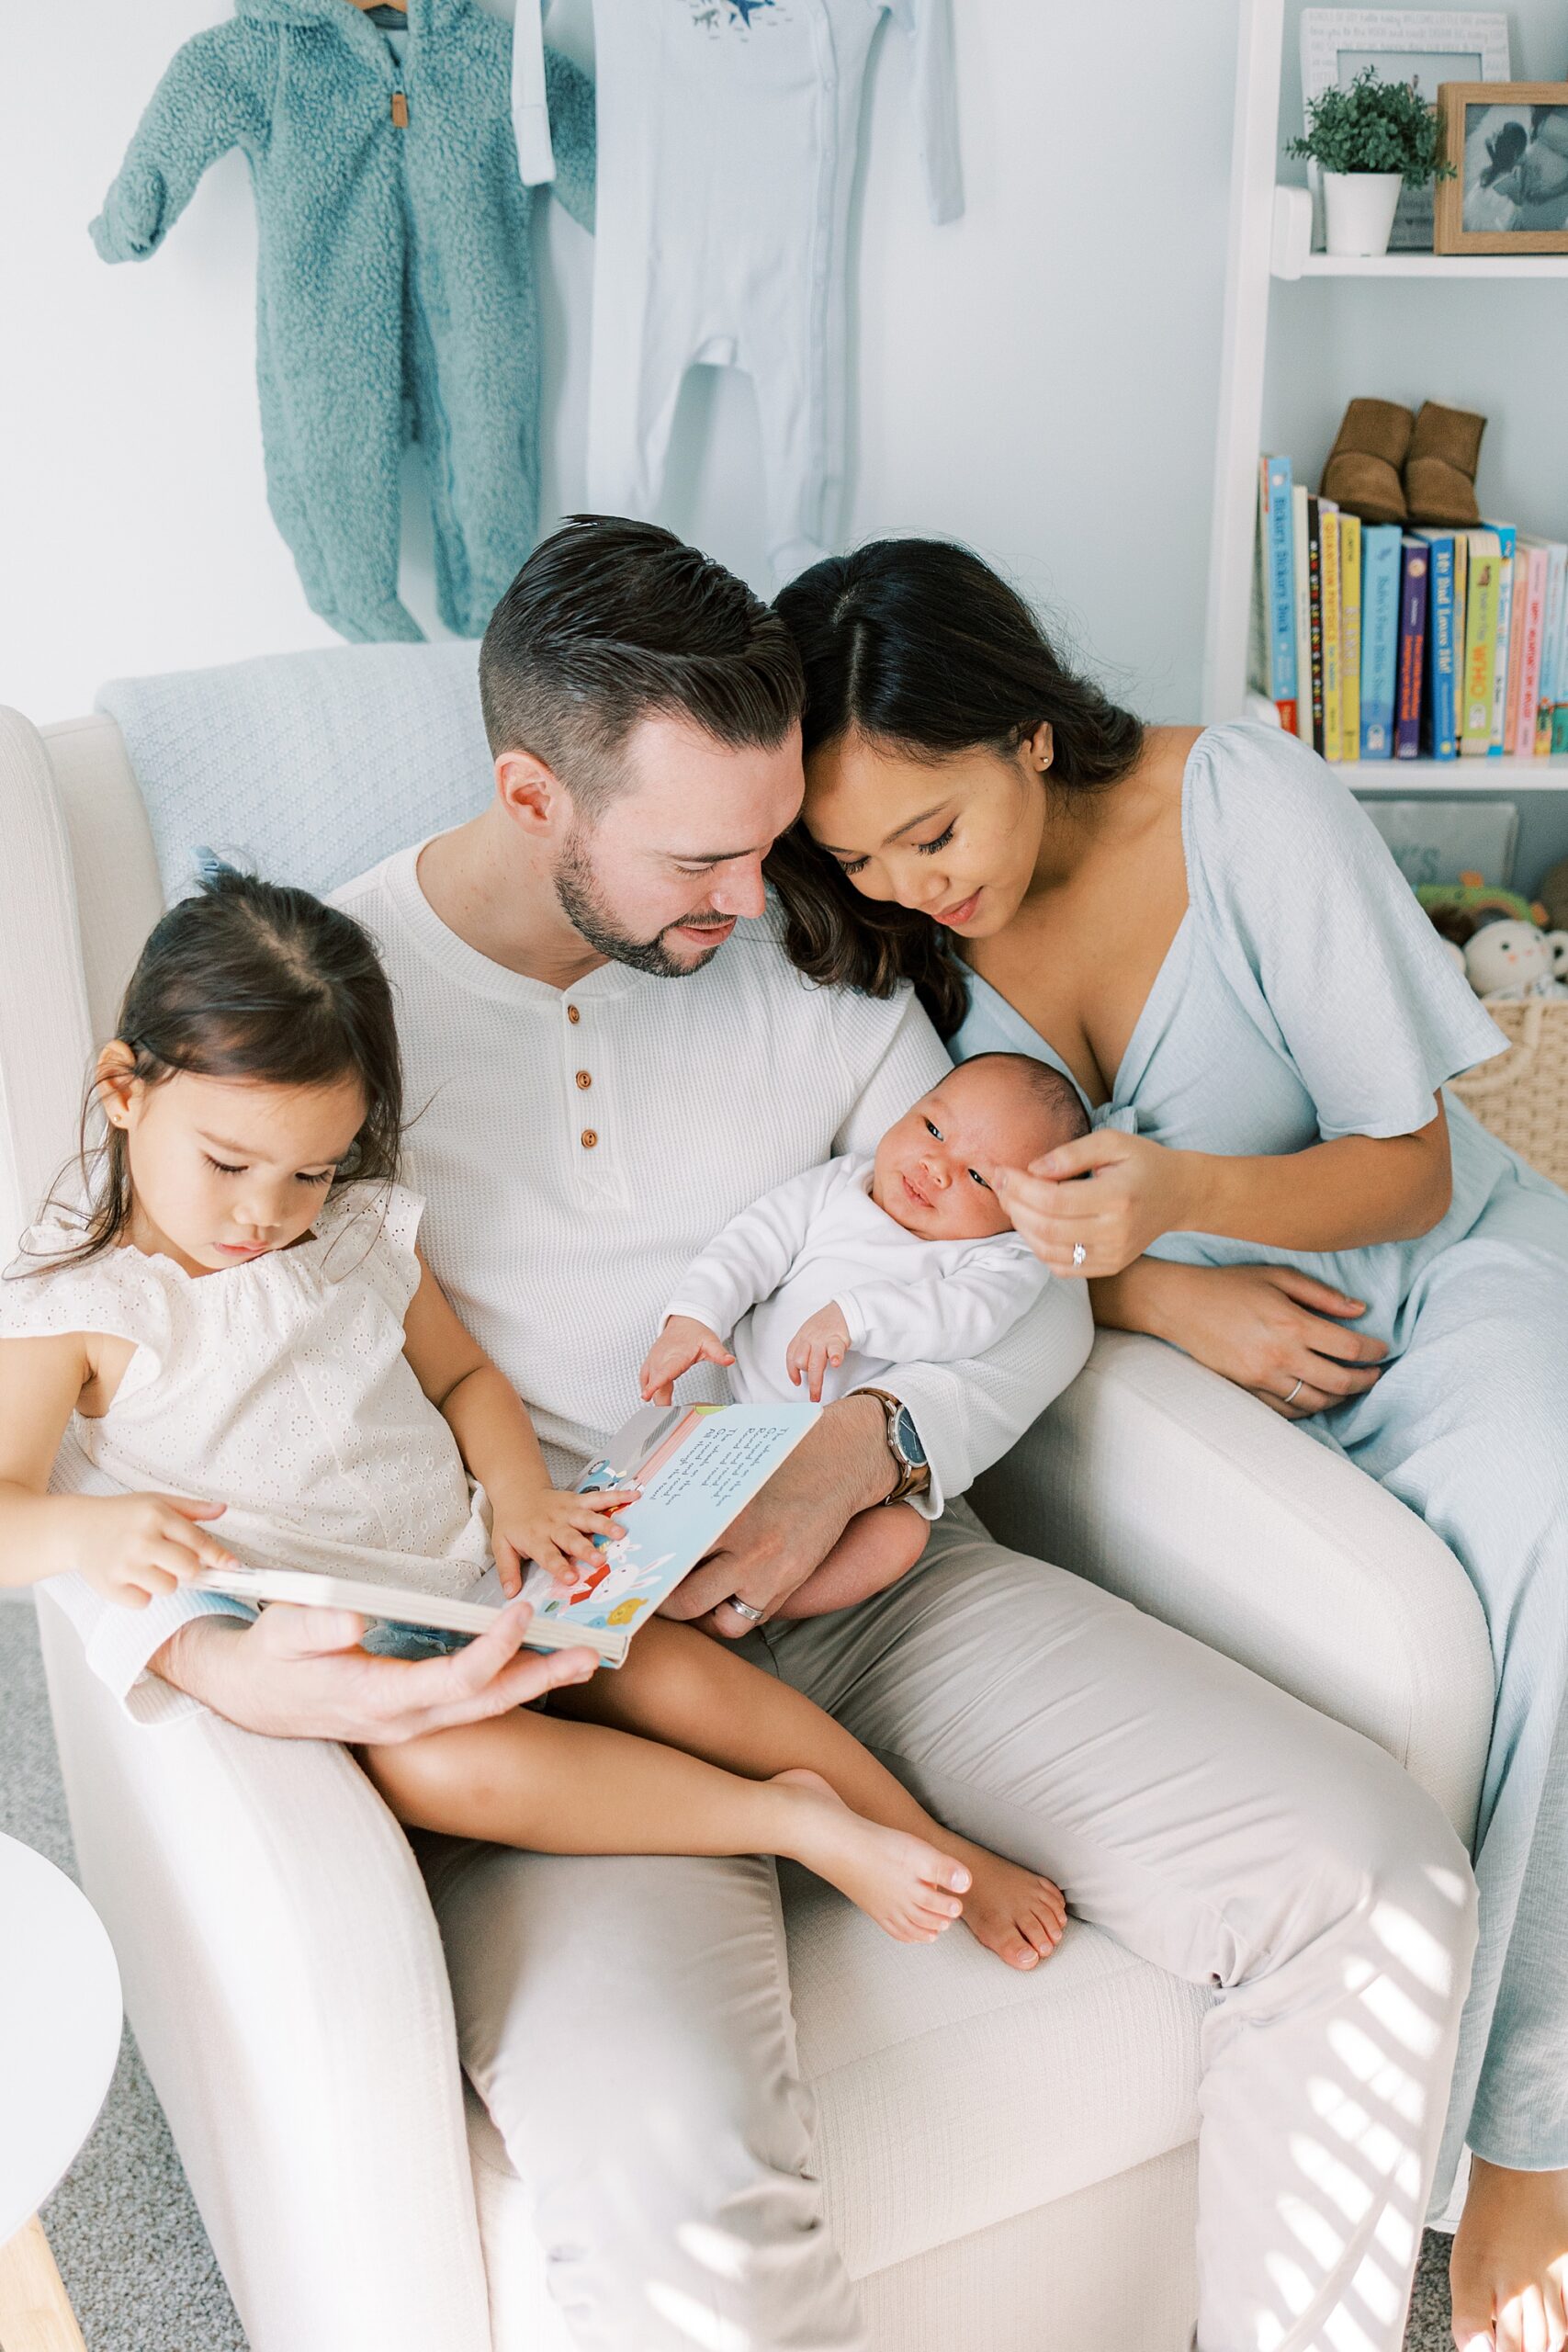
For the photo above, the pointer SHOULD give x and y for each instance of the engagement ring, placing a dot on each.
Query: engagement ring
(1296, 1390)
(1079, 1253)
(744, 1608)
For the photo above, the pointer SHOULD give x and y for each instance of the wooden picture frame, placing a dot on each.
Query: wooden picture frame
(1501, 127)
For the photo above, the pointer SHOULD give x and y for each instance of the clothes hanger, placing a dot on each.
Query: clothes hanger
(364, 4)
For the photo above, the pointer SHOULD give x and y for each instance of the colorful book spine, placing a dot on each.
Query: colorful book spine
(1506, 537)
(1380, 637)
(1553, 632)
(1300, 576)
(1333, 737)
(1440, 732)
(1461, 612)
(1415, 566)
(1523, 690)
(1479, 643)
(1279, 586)
(1351, 634)
(1315, 631)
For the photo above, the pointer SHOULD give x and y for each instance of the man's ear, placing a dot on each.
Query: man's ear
(531, 793)
(114, 1080)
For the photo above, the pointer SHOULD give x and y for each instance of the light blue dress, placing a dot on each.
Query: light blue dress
(1306, 995)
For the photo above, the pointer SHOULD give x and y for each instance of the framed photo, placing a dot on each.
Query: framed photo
(1508, 142)
(1427, 46)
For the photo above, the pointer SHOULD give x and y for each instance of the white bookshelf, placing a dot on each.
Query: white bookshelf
(1269, 251)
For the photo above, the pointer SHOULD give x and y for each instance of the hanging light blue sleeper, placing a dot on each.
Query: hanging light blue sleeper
(1306, 995)
(395, 286)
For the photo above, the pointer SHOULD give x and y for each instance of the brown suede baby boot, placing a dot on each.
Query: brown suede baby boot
(1362, 472)
(1439, 472)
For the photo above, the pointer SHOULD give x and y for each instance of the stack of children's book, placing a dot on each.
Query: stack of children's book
(1375, 643)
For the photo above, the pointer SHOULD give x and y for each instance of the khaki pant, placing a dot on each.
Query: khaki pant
(627, 2019)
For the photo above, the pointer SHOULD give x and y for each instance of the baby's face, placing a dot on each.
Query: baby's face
(934, 1170)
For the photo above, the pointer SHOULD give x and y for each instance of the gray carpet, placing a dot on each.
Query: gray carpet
(125, 2231)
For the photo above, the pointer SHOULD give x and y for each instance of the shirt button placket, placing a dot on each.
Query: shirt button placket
(587, 1138)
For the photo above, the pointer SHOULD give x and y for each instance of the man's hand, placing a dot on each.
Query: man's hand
(823, 1340)
(682, 1342)
(300, 1674)
(843, 1466)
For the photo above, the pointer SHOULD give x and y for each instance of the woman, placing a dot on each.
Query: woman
(1204, 931)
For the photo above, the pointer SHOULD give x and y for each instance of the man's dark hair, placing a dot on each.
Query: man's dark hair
(1056, 1095)
(610, 622)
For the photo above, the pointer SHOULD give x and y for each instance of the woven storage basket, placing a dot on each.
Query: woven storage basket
(1523, 1095)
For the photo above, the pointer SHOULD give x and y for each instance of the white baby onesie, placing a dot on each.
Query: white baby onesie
(822, 1237)
(279, 1387)
(726, 152)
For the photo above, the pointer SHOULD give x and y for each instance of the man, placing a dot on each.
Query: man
(612, 1056)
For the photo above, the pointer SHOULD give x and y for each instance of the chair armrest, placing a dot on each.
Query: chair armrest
(45, 1037)
(1166, 1485)
(285, 1979)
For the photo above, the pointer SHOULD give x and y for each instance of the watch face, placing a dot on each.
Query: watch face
(908, 1439)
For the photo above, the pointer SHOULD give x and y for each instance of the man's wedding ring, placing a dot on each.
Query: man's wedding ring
(1296, 1390)
(1079, 1253)
(744, 1608)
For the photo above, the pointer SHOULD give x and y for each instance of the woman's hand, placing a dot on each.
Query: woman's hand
(556, 1526)
(1265, 1328)
(682, 1342)
(1109, 1194)
(134, 1548)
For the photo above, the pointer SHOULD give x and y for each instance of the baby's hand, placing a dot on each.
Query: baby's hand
(556, 1526)
(682, 1342)
(822, 1339)
(137, 1547)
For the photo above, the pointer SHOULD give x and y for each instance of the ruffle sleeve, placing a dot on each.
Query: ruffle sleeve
(120, 1293)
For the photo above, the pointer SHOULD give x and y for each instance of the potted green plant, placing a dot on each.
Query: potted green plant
(1370, 140)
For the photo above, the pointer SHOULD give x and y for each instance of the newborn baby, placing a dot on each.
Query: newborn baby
(835, 1278)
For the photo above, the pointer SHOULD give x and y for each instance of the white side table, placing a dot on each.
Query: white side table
(59, 2022)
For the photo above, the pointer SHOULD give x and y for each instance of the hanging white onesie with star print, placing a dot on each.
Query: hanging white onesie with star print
(726, 152)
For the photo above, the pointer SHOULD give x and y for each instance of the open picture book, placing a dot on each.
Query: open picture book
(697, 1466)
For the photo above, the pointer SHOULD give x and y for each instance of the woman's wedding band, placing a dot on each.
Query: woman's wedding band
(1079, 1253)
(744, 1608)
(1296, 1390)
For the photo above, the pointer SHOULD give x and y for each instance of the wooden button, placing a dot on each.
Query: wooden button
(589, 1138)
(573, 1015)
(584, 1079)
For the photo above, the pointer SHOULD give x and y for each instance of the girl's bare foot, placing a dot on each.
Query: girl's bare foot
(1510, 2267)
(1014, 1912)
(909, 1888)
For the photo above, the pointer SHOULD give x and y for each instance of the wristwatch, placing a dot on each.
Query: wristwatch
(904, 1445)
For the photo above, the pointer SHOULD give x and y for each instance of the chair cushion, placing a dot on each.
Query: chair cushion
(305, 767)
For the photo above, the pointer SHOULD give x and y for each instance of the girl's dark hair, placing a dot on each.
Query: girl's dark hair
(249, 979)
(919, 645)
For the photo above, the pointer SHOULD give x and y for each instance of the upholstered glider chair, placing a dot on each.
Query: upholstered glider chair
(1009, 2160)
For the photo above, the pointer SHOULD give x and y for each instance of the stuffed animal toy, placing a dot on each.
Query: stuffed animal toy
(1505, 962)
(1459, 908)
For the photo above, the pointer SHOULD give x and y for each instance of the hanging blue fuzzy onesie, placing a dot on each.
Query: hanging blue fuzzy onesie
(396, 292)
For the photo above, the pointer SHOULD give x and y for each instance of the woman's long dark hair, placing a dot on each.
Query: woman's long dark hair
(248, 979)
(919, 645)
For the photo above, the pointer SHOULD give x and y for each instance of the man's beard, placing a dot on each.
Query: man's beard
(577, 893)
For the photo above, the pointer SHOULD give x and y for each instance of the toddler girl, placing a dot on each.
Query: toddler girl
(236, 1325)
(839, 1274)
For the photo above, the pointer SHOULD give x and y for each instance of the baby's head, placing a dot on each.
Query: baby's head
(935, 1169)
(256, 1060)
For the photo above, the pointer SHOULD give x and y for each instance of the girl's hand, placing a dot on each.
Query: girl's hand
(135, 1548)
(1265, 1328)
(1137, 1191)
(822, 1339)
(682, 1342)
(556, 1526)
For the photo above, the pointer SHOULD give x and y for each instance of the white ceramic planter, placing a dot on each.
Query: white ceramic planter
(1359, 210)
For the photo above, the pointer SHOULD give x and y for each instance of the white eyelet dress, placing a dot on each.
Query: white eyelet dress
(277, 1387)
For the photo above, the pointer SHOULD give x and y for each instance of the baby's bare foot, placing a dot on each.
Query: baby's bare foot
(1014, 1912)
(910, 1889)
